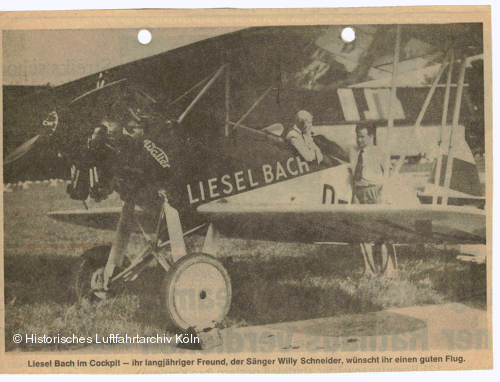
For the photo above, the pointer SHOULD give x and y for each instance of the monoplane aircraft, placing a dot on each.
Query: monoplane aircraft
(200, 149)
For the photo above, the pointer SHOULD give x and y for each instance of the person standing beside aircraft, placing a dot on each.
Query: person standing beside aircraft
(368, 162)
(300, 137)
(368, 165)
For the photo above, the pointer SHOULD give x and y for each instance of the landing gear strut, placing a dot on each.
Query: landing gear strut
(196, 291)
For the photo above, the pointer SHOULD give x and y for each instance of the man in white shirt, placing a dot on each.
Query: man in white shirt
(368, 164)
(300, 137)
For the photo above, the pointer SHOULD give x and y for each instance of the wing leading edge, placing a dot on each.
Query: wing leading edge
(101, 218)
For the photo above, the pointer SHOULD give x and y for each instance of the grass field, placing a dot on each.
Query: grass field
(271, 282)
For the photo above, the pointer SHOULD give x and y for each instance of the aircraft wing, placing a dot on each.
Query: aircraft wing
(319, 223)
(349, 223)
(100, 218)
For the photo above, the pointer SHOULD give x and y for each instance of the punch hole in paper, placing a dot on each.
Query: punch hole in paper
(144, 36)
(348, 35)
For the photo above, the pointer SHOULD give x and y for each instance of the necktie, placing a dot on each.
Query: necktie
(358, 172)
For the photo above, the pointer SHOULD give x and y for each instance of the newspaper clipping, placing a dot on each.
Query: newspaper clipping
(246, 191)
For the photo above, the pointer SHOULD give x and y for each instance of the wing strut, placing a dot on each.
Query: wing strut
(444, 118)
(227, 86)
(401, 159)
(253, 106)
(192, 88)
(456, 114)
(390, 122)
(201, 93)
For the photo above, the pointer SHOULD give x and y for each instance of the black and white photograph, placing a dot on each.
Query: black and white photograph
(267, 196)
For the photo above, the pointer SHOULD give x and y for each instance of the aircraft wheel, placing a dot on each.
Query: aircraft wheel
(196, 292)
(89, 269)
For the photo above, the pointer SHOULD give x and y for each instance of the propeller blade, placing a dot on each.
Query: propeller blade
(22, 150)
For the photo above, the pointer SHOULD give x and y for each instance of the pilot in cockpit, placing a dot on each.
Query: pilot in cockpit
(300, 137)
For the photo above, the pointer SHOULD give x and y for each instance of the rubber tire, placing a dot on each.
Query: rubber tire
(88, 263)
(174, 319)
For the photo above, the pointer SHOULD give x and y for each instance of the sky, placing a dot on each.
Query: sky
(38, 57)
